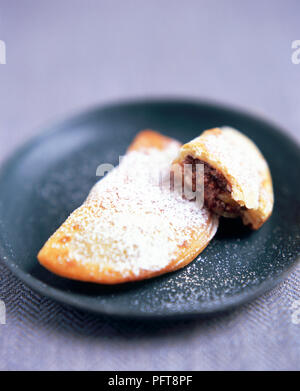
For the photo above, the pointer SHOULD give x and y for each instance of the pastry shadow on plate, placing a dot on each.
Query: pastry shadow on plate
(232, 229)
(89, 288)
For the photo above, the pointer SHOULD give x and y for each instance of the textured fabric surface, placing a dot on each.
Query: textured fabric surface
(63, 56)
(41, 334)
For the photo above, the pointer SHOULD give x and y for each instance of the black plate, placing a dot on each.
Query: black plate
(49, 177)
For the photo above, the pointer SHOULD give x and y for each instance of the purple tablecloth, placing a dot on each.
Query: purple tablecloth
(64, 56)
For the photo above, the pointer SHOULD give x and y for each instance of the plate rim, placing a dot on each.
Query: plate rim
(65, 298)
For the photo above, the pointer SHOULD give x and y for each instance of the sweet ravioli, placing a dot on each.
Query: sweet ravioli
(131, 227)
(237, 179)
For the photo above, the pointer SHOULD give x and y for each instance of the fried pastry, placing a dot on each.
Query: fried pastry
(237, 179)
(131, 227)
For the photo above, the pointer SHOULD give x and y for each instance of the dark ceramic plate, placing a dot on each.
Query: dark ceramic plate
(51, 176)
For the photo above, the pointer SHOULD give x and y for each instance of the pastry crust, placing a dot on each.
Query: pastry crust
(130, 227)
(236, 158)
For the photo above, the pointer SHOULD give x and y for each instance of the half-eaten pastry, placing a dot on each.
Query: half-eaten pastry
(131, 227)
(237, 179)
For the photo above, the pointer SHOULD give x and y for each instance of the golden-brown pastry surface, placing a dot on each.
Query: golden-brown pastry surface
(131, 227)
(237, 177)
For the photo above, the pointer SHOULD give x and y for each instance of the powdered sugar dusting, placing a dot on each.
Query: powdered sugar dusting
(242, 160)
(132, 222)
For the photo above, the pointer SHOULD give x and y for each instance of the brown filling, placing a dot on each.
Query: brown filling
(217, 191)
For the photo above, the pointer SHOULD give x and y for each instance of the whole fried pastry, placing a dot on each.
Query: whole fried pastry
(131, 227)
(237, 179)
